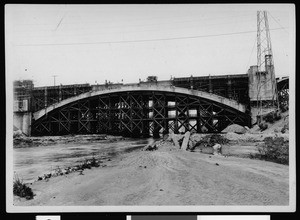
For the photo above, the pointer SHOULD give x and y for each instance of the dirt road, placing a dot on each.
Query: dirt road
(168, 176)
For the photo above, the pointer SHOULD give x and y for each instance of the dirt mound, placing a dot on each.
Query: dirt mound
(236, 129)
(233, 136)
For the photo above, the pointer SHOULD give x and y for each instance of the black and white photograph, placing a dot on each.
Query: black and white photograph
(150, 107)
(198, 217)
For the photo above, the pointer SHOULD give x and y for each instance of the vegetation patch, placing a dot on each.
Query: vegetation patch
(274, 149)
(86, 164)
(21, 189)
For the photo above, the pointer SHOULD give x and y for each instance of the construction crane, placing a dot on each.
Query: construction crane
(265, 66)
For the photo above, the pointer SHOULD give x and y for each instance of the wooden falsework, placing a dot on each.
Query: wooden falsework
(185, 140)
(229, 86)
(139, 114)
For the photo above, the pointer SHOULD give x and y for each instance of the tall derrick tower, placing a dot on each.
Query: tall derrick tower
(267, 99)
(262, 80)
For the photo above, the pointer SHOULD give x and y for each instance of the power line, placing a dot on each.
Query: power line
(125, 32)
(146, 40)
(278, 23)
(133, 25)
(141, 19)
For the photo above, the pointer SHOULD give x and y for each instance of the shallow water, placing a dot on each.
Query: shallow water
(31, 162)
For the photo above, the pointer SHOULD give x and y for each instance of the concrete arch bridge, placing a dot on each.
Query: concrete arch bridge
(140, 110)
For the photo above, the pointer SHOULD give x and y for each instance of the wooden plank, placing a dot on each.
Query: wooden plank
(186, 140)
(175, 140)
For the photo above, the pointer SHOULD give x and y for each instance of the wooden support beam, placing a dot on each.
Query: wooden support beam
(186, 139)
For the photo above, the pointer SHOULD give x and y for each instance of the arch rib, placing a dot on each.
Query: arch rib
(151, 87)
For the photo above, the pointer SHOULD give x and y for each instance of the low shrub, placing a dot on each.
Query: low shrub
(274, 149)
(263, 126)
(94, 162)
(269, 118)
(217, 139)
(20, 189)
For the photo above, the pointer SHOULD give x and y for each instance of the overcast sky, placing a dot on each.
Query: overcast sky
(94, 43)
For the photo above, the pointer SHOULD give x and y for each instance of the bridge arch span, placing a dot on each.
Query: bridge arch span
(137, 110)
(209, 96)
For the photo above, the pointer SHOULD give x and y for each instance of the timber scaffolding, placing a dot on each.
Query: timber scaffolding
(22, 95)
(152, 108)
(230, 86)
(48, 95)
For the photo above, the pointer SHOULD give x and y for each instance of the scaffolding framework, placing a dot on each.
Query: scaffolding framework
(45, 96)
(139, 114)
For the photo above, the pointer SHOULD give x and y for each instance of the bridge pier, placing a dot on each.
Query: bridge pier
(22, 121)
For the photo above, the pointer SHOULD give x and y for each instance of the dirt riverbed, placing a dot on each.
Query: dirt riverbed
(169, 176)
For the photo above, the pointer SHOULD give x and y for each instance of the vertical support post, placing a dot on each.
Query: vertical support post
(120, 115)
(210, 86)
(155, 125)
(109, 111)
(187, 122)
(210, 121)
(166, 110)
(145, 100)
(78, 118)
(198, 121)
(59, 122)
(191, 82)
(45, 97)
(229, 87)
(131, 113)
(59, 94)
(176, 116)
(69, 120)
(89, 116)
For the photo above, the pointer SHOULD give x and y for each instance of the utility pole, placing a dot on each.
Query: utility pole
(265, 64)
(54, 78)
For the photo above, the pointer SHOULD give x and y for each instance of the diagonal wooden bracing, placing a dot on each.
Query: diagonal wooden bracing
(140, 114)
